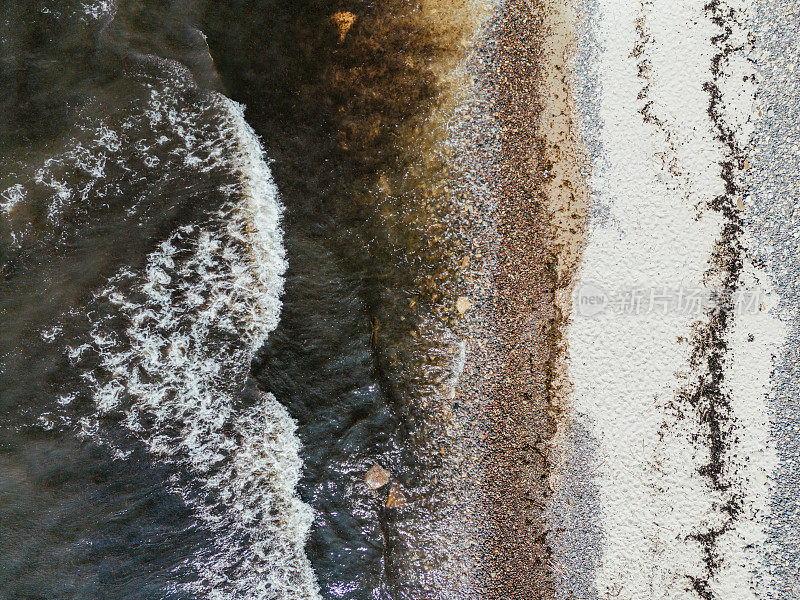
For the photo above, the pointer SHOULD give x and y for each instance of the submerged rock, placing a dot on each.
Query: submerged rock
(344, 21)
(377, 477)
(396, 497)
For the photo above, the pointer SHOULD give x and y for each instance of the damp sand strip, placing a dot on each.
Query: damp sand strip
(516, 367)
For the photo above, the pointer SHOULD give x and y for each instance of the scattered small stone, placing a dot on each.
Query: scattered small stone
(383, 183)
(463, 304)
(377, 477)
(396, 497)
(344, 21)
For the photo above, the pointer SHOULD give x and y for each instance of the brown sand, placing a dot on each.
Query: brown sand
(519, 357)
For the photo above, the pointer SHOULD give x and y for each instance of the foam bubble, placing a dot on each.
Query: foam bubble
(100, 9)
(168, 355)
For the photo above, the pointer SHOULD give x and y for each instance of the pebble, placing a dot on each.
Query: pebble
(463, 304)
(377, 477)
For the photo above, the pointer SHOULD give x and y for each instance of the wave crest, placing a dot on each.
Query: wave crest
(168, 356)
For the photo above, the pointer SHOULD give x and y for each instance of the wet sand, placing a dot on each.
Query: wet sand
(516, 367)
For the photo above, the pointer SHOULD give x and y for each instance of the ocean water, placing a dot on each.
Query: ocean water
(228, 261)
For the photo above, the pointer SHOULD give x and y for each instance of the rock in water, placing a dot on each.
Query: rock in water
(344, 21)
(396, 497)
(377, 477)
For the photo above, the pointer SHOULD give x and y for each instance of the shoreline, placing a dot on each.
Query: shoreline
(481, 184)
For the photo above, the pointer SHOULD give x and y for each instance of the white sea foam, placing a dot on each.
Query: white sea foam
(170, 347)
(11, 196)
(100, 9)
(74, 185)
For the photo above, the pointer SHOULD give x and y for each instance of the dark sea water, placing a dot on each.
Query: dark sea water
(215, 319)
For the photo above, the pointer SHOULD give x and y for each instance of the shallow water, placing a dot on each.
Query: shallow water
(144, 244)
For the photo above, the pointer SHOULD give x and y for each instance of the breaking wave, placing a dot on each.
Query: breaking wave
(166, 351)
